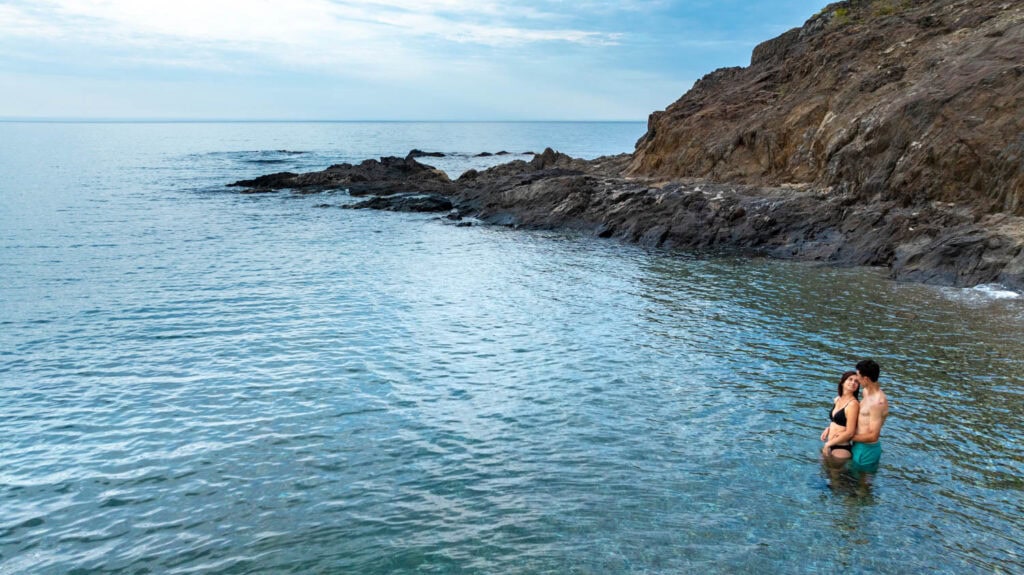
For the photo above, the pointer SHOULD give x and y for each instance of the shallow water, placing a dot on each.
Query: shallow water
(199, 381)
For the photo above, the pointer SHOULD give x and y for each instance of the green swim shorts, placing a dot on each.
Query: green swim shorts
(866, 455)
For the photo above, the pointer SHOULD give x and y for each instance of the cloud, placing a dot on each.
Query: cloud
(552, 58)
(310, 26)
(364, 40)
(20, 22)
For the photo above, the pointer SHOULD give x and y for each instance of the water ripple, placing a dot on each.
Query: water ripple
(201, 382)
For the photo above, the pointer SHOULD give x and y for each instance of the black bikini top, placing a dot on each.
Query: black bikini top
(838, 417)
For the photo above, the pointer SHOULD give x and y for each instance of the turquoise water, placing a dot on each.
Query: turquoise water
(196, 381)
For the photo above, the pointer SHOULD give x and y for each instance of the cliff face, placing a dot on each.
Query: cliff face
(892, 100)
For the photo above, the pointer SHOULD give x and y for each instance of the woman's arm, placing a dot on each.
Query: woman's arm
(852, 411)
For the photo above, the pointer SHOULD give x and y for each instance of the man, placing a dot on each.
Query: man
(874, 408)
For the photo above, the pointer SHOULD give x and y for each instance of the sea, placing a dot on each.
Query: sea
(194, 380)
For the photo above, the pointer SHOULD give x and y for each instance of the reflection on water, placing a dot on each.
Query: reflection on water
(199, 381)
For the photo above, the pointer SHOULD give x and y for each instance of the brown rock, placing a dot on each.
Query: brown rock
(875, 97)
(881, 133)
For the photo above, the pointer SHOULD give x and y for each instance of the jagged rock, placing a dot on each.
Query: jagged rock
(970, 254)
(936, 242)
(793, 222)
(877, 97)
(389, 175)
(880, 133)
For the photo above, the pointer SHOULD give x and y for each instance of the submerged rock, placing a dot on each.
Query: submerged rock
(405, 203)
(415, 153)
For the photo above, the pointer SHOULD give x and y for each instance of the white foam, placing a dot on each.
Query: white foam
(980, 295)
(996, 291)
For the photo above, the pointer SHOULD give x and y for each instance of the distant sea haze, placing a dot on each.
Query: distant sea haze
(198, 380)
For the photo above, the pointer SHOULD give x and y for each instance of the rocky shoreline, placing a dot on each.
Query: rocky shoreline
(938, 242)
(881, 133)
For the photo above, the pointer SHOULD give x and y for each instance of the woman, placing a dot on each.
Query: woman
(842, 418)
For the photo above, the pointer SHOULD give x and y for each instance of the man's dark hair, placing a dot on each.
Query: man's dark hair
(842, 380)
(869, 369)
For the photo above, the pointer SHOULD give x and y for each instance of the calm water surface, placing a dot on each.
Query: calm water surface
(195, 381)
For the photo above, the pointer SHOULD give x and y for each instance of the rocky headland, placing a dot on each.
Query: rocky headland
(880, 133)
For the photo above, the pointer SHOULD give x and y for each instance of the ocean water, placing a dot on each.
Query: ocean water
(197, 381)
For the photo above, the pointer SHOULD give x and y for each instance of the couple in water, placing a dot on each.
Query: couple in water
(855, 423)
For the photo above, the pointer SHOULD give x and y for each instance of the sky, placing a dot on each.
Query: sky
(371, 60)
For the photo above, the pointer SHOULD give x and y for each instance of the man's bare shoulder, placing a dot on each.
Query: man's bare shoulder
(877, 399)
(878, 404)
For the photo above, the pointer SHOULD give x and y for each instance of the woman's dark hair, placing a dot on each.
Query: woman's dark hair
(842, 380)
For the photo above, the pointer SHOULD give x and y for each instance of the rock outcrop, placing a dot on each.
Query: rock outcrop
(881, 133)
(371, 177)
(889, 99)
(934, 242)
